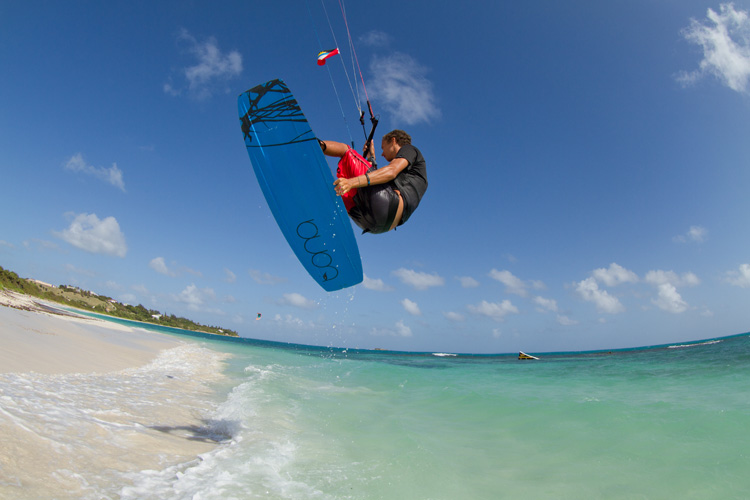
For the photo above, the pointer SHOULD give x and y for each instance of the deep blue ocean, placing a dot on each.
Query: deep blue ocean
(664, 422)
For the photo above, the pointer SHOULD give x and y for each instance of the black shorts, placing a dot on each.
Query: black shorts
(375, 208)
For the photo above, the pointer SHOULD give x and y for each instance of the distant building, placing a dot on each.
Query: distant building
(42, 283)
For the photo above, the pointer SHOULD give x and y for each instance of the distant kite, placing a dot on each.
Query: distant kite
(256, 319)
(322, 56)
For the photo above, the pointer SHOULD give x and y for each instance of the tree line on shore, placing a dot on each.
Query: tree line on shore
(101, 304)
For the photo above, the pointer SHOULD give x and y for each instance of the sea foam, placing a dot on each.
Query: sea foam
(74, 435)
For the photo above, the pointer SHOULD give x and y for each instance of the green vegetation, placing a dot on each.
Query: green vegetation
(88, 301)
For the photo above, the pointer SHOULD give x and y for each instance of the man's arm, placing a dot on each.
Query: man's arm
(333, 148)
(380, 176)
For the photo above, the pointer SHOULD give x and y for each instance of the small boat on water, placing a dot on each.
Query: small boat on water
(523, 355)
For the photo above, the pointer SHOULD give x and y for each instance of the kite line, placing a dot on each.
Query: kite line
(324, 55)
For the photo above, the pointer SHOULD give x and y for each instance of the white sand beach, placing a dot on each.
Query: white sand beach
(85, 402)
(37, 341)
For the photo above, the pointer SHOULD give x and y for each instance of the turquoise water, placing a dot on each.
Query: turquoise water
(667, 422)
(656, 423)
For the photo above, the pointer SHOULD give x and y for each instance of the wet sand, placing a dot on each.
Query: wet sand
(85, 402)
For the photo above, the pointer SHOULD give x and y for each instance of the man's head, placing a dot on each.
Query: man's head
(392, 142)
(400, 136)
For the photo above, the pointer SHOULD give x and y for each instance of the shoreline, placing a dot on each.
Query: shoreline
(86, 404)
(35, 337)
(115, 319)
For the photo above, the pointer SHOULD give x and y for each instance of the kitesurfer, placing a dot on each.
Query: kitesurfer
(379, 199)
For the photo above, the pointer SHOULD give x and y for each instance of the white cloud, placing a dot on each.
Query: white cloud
(112, 175)
(210, 71)
(566, 321)
(666, 282)
(614, 275)
(468, 282)
(741, 277)
(293, 321)
(229, 276)
(545, 304)
(418, 280)
(265, 278)
(375, 284)
(400, 86)
(191, 296)
(589, 291)
(725, 40)
(400, 330)
(196, 298)
(6, 244)
(191, 271)
(669, 299)
(411, 307)
(158, 265)
(670, 277)
(113, 285)
(298, 300)
(494, 310)
(512, 283)
(89, 233)
(453, 316)
(170, 89)
(697, 234)
(538, 285)
(375, 38)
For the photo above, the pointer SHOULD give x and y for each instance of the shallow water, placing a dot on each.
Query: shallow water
(667, 422)
(75, 435)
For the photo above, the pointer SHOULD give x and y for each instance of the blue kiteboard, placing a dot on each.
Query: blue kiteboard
(298, 185)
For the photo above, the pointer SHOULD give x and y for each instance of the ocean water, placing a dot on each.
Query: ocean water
(293, 423)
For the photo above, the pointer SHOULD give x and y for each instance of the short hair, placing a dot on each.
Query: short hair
(400, 136)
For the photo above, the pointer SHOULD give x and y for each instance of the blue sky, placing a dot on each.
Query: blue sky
(588, 166)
